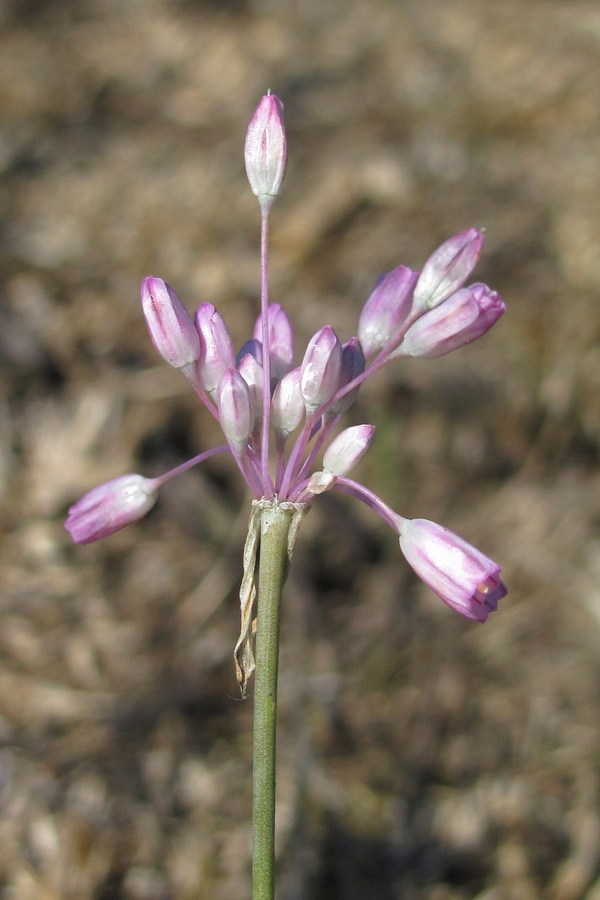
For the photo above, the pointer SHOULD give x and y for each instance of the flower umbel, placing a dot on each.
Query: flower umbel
(279, 418)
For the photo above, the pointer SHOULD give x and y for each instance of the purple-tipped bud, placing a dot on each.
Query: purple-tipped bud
(321, 369)
(252, 372)
(386, 310)
(448, 268)
(236, 410)
(281, 340)
(110, 507)
(287, 405)
(216, 348)
(171, 328)
(265, 153)
(353, 364)
(347, 449)
(254, 348)
(457, 321)
(460, 575)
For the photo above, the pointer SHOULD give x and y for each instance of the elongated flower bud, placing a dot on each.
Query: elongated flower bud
(321, 369)
(110, 507)
(460, 575)
(353, 364)
(457, 321)
(216, 349)
(287, 405)
(448, 268)
(386, 310)
(265, 153)
(236, 412)
(171, 328)
(347, 449)
(281, 340)
(252, 372)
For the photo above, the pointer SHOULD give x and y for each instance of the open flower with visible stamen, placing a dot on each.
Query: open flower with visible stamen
(262, 398)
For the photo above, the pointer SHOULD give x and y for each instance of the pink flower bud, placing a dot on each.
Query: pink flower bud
(265, 152)
(457, 321)
(110, 507)
(448, 268)
(460, 575)
(384, 313)
(216, 349)
(287, 405)
(171, 328)
(252, 372)
(347, 449)
(236, 411)
(321, 369)
(281, 340)
(353, 364)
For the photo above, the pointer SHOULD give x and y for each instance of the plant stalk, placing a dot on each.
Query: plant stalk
(273, 561)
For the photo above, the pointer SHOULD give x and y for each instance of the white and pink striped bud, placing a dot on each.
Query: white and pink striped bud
(216, 349)
(321, 369)
(353, 364)
(265, 152)
(251, 371)
(460, 575)
(448, 268)
(110, 507)
(347, 449)
(460, 319)
(236, 409)
(170, 326)
(287, 405)
(385, 312)
(281, 340)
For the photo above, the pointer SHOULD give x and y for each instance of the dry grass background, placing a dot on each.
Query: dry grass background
(420, 756)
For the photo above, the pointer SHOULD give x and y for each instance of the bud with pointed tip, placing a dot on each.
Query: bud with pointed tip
(265, 153)
(386, 310)
(460, 319)
(236, 410)
(252, 372)
(287, 405)
(353, 364)
(321, 369)
(448, 268)
(110, 507)
(281, 340)
(216, 349)
(171, 328)
(347, 449)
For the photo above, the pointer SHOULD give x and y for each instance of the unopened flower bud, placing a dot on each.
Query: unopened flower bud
(281, 340)
(252, 372)
(448, 268)
(353, 364)
(384, 313)
(236, 410)
(460, 319)
(171, 328)
(265, 153)
(460, 575)
(321, 369)
(110, 507)
(347, 449)
(216, 349)
(287, 405)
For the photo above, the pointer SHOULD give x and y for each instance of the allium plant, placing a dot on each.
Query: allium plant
(281, 421)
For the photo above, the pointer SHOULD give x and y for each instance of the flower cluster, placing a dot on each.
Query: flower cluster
(279, 419)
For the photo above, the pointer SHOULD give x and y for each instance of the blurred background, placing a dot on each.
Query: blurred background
(420, 755)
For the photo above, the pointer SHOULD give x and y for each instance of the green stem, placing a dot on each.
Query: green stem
(275, 527)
